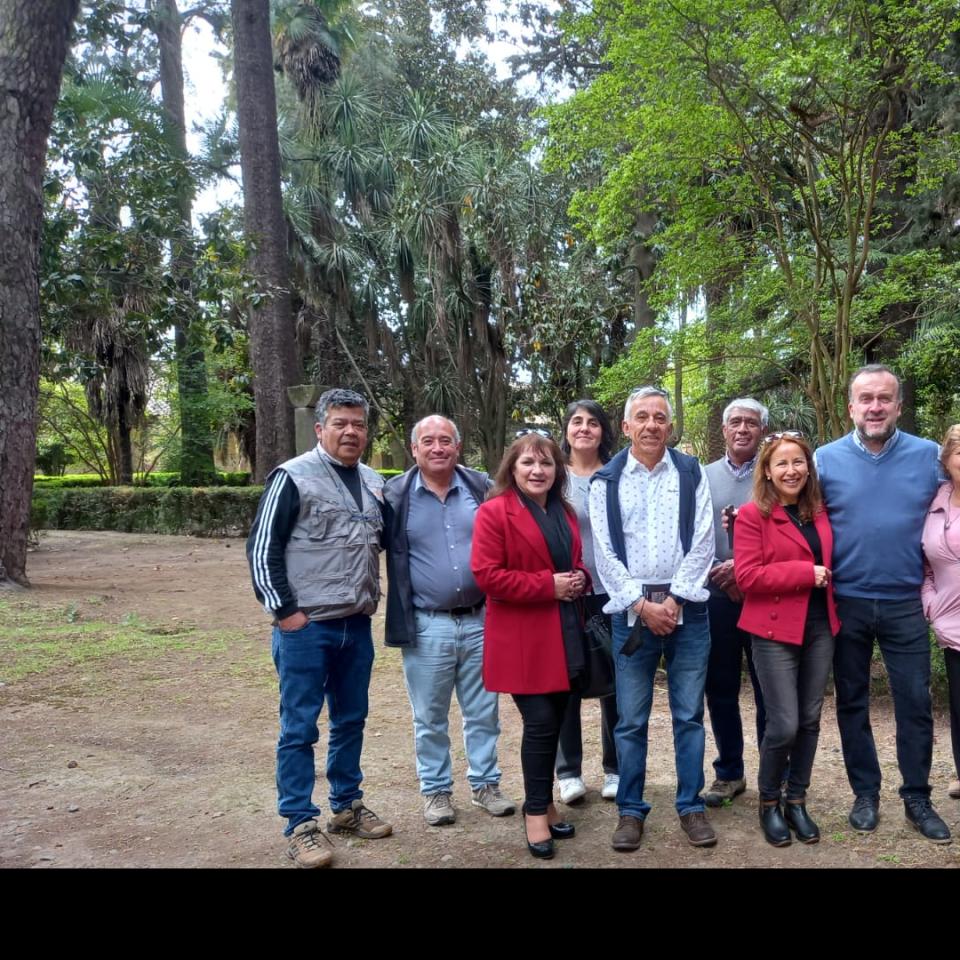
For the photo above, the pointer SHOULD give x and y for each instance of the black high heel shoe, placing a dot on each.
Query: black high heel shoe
(562, 830)
(541, 849)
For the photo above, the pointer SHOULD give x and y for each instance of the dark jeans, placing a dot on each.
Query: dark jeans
(570, 749)
(793, 678)
(952, 660)
(901, 631)
(728, 645)
(542, 715)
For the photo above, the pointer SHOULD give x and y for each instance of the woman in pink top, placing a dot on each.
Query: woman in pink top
(941, 587)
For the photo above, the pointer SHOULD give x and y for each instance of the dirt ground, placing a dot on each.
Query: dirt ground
(142, 731)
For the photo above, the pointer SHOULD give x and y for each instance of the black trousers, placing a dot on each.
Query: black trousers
(542, 715)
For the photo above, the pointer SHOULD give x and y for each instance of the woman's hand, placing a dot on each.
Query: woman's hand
(821, 575)
(569, 585)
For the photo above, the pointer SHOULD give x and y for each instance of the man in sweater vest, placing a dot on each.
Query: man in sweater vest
(314, 552)
(878, 482)
(653, 544)
(731, 484)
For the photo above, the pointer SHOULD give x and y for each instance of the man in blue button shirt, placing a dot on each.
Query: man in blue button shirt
(435, 614)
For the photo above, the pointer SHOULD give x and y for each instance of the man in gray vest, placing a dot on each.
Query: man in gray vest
(731, 484)
(314, 557)
(435, 615)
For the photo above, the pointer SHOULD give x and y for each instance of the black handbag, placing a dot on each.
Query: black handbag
(598, 646)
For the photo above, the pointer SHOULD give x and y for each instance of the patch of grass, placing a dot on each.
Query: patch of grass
(889, 858)
(35, 639)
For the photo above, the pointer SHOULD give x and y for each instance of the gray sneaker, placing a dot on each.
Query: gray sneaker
(724, 790)
(438, 809)
(360, 821)
(489, 798)
(305, 848)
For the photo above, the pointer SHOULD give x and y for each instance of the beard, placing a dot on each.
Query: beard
(877, 434)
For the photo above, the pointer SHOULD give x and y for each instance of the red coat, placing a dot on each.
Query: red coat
(522, 643)
(773, 564)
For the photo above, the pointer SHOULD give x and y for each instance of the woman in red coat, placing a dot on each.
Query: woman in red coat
(782, 553)
(526, 557)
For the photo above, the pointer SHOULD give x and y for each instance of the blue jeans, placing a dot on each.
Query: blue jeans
(449, 655)
(686, 652)
(728, 645)
(900, 630)
(332, 660)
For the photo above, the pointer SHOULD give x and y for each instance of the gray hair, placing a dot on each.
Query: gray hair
(338, 397)
(874, 368)
(747, 403)
(439, 416)
(638, 393)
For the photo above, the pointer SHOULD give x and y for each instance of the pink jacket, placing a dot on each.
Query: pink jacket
(941, 583)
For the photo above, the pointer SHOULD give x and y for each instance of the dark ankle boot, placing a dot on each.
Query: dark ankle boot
(775, 828)
(799, 821)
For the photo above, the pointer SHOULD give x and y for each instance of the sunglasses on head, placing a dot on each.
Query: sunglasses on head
(528, 430)
(783, 435)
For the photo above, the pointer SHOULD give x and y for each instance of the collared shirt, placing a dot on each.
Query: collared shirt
(439, 534)
(743, 470)
(650, 509)
(888, 445)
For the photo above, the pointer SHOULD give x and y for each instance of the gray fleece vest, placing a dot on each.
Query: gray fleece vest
(332, 557)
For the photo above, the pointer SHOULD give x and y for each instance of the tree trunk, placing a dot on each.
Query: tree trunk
(272, 343)
(196, 440)
(33, 47)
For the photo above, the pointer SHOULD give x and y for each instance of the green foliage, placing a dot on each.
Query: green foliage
(154, 479)
(199, 511)
(783, 152)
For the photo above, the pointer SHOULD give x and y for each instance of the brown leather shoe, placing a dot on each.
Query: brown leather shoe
(628, 833)
(698, 830)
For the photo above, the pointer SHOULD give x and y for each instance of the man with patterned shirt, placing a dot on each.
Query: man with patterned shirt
(653, 533)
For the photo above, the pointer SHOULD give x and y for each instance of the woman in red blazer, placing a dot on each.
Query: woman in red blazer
(782, 552)
(526, 557)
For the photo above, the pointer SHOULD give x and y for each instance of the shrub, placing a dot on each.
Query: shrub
(199, 511)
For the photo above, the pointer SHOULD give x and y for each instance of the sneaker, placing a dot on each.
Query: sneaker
(305, 848)
(572, 790)
(921, 816)
(360, 821)
(724, 790)
(698, 830)
(489, 798)
(438, 809)
(628, 834)
(611, 784)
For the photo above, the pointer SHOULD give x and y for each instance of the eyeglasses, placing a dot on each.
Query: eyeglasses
(783, 435)
(546, 434)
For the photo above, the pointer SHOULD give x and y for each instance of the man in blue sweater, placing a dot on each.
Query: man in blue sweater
(878, 482)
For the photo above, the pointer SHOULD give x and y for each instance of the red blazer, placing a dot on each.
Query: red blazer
(522, 643)
(773, 564)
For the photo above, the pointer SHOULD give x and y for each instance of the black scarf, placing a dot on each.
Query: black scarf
(559, 540)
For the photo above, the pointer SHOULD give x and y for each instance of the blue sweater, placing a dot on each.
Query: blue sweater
(877, 507)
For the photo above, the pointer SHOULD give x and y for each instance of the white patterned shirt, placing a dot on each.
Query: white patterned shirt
(650, 512)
